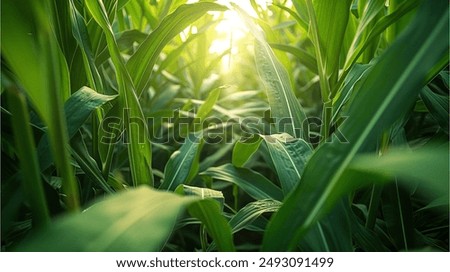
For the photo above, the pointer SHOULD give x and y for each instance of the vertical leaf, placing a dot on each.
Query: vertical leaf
(404, 67)
(178, 168)
(208, 211)
(142, 62)
(397, 212)
(285, 108)
(28, 35)
(23, 136)
(139, 148)
(332, 17)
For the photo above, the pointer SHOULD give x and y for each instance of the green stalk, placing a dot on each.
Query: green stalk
(324, 84)
(26, 152)
(323, 80)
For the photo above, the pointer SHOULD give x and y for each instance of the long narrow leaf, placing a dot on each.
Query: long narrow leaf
(139, 148)
(253, 183)
(403, 67)
(285, 108)
(178, 168)
(141, 63)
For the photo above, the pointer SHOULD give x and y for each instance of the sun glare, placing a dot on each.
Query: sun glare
(231, 30)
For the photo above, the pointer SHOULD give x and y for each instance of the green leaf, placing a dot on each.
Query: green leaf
(139, 148)
(350, 87)
(289, 156)
(209, 212)
(331, 233)
(245, 216)
(24, 142)
(398, 215)
(178, 168)
(253, 183)
(206, 108)
(332, 17)
(404, 67)
(428, 165)
(285, 108)
(244, 150)
(203, 193)
(141, 63)
(81, 35)
(379, 27)
(88, 164)
(141, 219)
(77, 109)
(365, 238)
(44, 76)
(304, 57)
(438, 105)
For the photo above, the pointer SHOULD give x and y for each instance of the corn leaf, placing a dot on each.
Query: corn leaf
(209, 212)
(438, 105)
(404, 68)
(285, 108)
(398, 215)
(289, 156)
(141, 63)
(428, 165)
(139, 148)
(251, 212)
(332, 17)
(130, 221)
(306, 59)
(377, 29)
(253, 183)
(77, 109)
(244, 150)
(203, 193)
(178, 169)
(331, 233)
(23, 136)
(44, 76)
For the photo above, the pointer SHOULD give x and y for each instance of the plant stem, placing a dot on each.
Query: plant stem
(26, 152)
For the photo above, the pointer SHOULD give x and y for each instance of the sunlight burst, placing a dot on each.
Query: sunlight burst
(231, 30)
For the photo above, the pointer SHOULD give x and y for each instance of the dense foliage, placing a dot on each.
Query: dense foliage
(177, 125)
